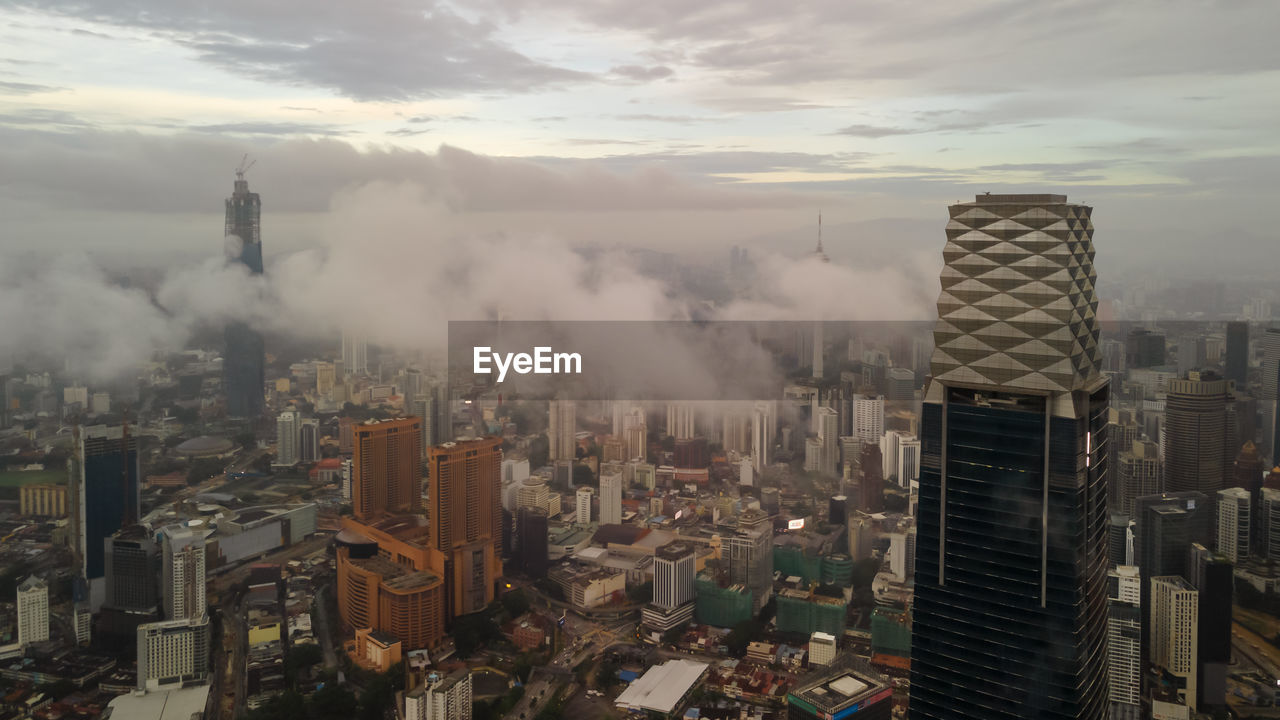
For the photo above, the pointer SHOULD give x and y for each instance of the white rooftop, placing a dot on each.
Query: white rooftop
(180, 704)
(662, 687)
(847, 685)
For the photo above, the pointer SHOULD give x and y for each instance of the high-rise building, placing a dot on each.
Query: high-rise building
(1236, 366)
(326, 378)
(33, 611)
(1013, 472)
(764, 425)
(132, 566)
(440, 697)
(288, 438)
(562, 428)
(680, 421)
(104, 498)
(829, 439)
(610, 496)
(405, 598)
(1175, 631)
(848, 688)
(1139, 474)
(673, 570)
(244, 364)
(749, 552)
(582, 507)
(173, 653)
(1234, 523)
(531, 524)
(868, 417)
(1196, 454)
(387, 467)
(1144, 349)
(870, 482)
(1215, 579)
(309, 440)
(1124, 643)
(822, 649)
(1269, 524)
(183, 570)
(355, 353)
(1270, 396)
(466, 519)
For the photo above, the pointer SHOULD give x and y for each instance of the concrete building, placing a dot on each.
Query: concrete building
(1197, 453)
(822, 649)
(466, 519)
(43, 500)
(1124, 643)
(309, 440)
(846, 688)
(749, 552)
(440, 697)
(1175, 618)
(1140, 474)
(355, 354)
(288, 438)
(1234, 515)
(680, 421)
(33, 611)
(562, 428)
(405, 599)
(829, 441)
(183, 569)
(868, 417)
(132, 566)
(610, 497)
(387, 467)
(764, 426)
(582, 505)
(173, 653)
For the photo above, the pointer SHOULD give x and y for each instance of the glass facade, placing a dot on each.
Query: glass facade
(1010, 611)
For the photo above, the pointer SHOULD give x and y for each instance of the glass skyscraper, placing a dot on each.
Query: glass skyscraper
(243, 371)
(1011, 565)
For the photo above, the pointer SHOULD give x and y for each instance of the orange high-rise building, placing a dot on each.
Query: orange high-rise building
(466, 519)
(391, 580)
(386, 469)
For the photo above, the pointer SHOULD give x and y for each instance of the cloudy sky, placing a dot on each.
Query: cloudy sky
(691, 114)
(669, 124)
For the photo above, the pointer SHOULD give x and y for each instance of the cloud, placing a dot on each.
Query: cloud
(22, 88)
(874, 131)
(190, 172)
(393, 50)
(641, 73)
(276, 129)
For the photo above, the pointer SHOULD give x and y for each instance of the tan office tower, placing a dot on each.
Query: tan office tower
(466, 519)
(386, 467)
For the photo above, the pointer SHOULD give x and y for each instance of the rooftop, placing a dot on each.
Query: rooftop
(181, 704)
(663, 686)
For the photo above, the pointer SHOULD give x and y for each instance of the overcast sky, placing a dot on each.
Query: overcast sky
(674, 124)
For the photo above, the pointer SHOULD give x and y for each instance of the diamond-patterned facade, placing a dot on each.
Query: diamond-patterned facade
(1018, 307)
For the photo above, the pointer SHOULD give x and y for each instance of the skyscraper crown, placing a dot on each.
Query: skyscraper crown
(1017, 307)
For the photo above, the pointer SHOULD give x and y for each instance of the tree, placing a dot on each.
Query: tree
(377, 697)
(334, 702)
(246, 440)
(516, 603)
(301, 656)
(288, 705)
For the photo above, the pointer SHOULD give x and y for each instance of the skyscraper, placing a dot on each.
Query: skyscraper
(243, 370)
(828, 436)
(1124, 646)
(309, 440)
(1196, 455)
(680, 420)
(104, 498)
(610, 496)
(1010, 615)
(868, 417)
(132, 567)
(386, 467)
(1138, 474)
(1175, 630)
(1234, 523)
(288, 437)
(582, 506)
(183, 569)
(1236, 366)
(532, 528)
(1271, 393)
(33, 611)
(466, 519)
(562, 428)
(355, 354)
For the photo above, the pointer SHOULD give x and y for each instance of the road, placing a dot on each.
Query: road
(320, 620)
(537, 693)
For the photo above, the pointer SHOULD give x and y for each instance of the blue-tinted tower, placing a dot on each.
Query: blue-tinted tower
(1011, 560)
(243, 372)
